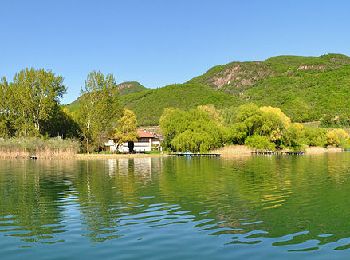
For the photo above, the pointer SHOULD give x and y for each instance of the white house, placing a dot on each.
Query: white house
(146, 142)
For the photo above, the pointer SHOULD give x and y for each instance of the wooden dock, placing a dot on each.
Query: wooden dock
(277, 153)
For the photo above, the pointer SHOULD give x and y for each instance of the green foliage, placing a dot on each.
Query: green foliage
(99, 109)
(337, 137)
(196, 130)
(255, 126)
(315, 136)
(300, 86)
(260, 143)
(294, 137)
(126, 129)
(129, 87)
(173, 122)
(251, 120)
(149, 105)
(63, 124)
(30, 103)
(36, 95)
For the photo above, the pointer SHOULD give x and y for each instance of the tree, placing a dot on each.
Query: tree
(260, 143)
(251, 116)
(196, 130)
(172, 122)
(294, 136)
(274, 123)
(316, 136)
(251, 120)
(5, 118)
(337, 137)
(126, 130)
(212, 112)
(35, 96)
(62, 124)
(100, 109)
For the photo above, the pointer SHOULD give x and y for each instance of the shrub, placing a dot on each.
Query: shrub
(294, 136)
(260, 143)
(337, 137)
(196, 130)
(315, 136)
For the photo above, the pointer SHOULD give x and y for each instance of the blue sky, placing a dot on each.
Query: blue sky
(160, 42)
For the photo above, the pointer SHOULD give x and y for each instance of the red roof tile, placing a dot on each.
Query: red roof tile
(145, 134)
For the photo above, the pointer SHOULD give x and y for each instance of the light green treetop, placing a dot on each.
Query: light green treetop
(126, 129)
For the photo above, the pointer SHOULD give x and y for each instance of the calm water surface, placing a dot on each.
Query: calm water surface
(176, 208)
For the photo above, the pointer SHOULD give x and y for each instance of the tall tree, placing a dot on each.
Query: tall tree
(100, 109)
(36, 94)
(126, 130)
(5, 96)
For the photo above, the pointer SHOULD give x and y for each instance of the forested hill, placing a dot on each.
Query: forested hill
(129, 87)
(305, 88)
(124, 88)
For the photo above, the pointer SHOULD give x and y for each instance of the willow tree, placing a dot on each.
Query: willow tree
(251, 120)
(195, 130)
(100, 109)
(126, 130)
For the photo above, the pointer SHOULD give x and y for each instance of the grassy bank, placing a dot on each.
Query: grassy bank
(42, 148)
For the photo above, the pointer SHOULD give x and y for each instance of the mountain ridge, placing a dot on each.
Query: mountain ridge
(305, 88)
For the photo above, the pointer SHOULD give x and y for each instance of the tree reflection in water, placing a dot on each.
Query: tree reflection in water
(283, 201)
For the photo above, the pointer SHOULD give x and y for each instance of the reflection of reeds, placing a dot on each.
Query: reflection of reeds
(42, 148)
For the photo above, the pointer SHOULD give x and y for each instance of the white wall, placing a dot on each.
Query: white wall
(138, 146)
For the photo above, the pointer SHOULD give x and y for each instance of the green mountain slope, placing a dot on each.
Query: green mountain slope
(124, 88)
(305, 88)
(239, 76)
(149, 105)
(129, 87)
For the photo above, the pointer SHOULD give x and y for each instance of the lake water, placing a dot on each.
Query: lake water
(176, 208)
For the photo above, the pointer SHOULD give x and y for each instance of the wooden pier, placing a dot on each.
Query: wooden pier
(277, 153)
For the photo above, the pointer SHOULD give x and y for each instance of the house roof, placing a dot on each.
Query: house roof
(144, 134)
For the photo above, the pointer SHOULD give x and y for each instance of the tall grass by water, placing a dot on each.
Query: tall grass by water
(39, 147)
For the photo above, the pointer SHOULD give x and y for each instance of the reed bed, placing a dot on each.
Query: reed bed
(234, 151)
(39, 147)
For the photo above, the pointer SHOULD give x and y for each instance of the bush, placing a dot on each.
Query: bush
(193, 141)
(337, 137)
(260, 143)
(294, 137)
(196, 130)
(315, 136)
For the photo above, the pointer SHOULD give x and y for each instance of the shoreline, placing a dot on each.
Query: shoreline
(236, 151)
(231, 151)
(86, 156)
